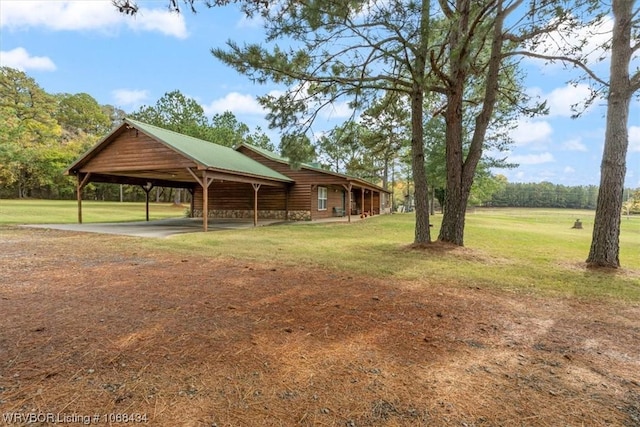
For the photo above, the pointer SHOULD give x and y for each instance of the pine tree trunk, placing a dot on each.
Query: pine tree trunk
(605, 243)
(422, 232)
(432, 197)
(385, 173)
(461, 171)
(455, 201)
(455, 208)
(452, 228)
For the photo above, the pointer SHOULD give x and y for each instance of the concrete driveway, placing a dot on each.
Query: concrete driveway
(158, 228)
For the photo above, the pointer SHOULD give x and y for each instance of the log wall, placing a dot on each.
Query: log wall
(239, 196)
(131, 151)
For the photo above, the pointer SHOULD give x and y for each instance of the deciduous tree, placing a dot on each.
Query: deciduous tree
(80, 114)
(178, 113)
(28, 130)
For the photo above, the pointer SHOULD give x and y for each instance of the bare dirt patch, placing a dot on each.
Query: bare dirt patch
(439, 248)
(96, 324)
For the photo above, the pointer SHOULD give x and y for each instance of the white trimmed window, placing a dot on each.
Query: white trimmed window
(322, 198)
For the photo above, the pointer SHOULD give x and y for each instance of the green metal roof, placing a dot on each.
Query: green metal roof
(276, 157)
(209, 154)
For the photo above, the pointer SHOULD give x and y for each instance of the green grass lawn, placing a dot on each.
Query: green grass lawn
(520, 250)
(66, 211)
(526, 250)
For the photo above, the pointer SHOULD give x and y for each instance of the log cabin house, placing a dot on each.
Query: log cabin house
(246, 182)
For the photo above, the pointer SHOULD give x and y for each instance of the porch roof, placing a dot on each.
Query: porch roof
(277, 158)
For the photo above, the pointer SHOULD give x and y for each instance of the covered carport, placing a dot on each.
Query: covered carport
(148, 156)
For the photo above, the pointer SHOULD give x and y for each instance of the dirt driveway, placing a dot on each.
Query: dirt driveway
(104, 329)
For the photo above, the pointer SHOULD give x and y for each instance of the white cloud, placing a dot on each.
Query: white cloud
(128, 97)
(243, 103)
(591, 38)
(531, 159)
(531, 132)
(574, 145)
(532, 175)
(561, 100)
(237, 103)
(596, 37)
(568, 170)
(245, 22)
(634, 139)
(100, 15)
(20, 59)
(57, 15)
(162, 21)
(370, 7)
(337, 110)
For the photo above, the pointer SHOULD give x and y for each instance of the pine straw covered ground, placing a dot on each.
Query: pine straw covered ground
(96, 324)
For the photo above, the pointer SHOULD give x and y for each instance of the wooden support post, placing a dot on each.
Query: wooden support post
(82, 181)
(349, 188)
(371, 203)
(286, 203)
(205, 182)
(147, 189)
(313, 187)
(192, 204)
(362, 202)
(79, 195)
(205, 204)
(256, 187)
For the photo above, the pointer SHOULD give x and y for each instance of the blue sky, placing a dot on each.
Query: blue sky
(86, 46)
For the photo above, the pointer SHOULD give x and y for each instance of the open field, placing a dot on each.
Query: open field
(33, 211)
(508, 249)
(519, 249)
(323, 324)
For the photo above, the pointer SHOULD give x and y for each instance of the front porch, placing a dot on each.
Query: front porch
(365, 202)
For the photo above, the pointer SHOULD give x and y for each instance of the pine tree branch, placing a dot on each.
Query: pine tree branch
(634, 82)
(560, 58)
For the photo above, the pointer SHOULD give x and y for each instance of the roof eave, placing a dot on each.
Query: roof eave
(261, 153)
(364, 183)
(286, 180)
(200, 165)
(307, 167)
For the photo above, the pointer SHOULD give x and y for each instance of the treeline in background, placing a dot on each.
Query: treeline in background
(41, 134)
(548, 195)
(545, 195)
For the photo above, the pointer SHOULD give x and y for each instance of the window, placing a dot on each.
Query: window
(322, 198)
